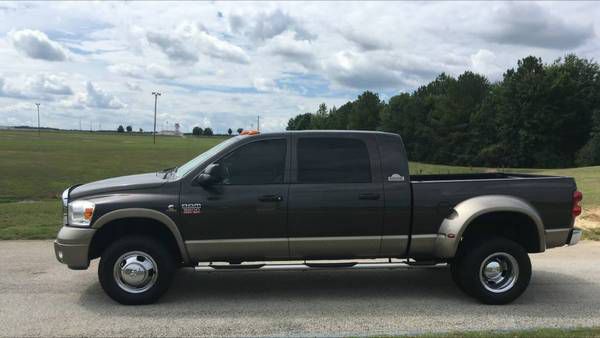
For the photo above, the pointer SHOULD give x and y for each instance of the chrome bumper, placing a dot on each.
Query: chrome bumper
(71, 247)
(575, 236)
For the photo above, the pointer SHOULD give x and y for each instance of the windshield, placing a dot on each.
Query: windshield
(194, 163)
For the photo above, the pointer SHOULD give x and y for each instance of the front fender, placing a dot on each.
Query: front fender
(145, 213)
(453, 227)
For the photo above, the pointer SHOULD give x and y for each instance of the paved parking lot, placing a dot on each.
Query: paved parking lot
(39, 296)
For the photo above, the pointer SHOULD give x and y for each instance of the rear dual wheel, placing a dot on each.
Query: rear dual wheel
(495, 270)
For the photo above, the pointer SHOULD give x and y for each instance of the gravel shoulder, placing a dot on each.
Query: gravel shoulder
(40, 297)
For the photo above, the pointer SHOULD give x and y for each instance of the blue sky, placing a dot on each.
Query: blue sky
(221, 64)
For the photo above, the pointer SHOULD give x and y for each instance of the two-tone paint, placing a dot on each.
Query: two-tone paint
(395, 215)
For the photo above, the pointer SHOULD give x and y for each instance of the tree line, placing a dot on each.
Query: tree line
(537, 115)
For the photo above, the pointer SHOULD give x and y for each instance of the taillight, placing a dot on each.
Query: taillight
(577, 197)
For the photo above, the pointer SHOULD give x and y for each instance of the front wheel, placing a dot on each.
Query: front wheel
(495, 271)
(136, 270)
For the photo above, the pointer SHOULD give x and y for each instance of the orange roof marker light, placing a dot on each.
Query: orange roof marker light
(250, 132)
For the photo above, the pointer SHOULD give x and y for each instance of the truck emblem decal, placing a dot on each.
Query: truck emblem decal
(396, 178)
(191, 208)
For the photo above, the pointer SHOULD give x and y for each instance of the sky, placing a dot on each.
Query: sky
(222, 64)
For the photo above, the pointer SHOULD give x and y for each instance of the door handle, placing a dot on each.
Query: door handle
(270, 198)
(368, 196)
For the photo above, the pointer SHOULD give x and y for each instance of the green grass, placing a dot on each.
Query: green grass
(539, 333)
(35, 170)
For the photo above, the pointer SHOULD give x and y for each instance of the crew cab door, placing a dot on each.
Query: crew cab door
(336, 198)
(242, 217)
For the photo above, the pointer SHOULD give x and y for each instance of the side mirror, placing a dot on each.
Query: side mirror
(212, 174)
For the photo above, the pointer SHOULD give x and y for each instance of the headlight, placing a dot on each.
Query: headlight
(80, 213)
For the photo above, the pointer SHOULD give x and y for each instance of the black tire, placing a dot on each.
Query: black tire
(506, 279)
(135, 252)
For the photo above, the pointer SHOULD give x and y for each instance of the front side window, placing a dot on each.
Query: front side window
(333, 160)
(260, 162)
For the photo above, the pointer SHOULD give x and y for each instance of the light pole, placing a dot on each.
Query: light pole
(156, 95)
(38, 111)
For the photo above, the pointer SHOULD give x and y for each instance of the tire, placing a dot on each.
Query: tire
(494, 271)
(136, 270)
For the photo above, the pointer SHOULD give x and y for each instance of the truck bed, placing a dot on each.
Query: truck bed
(435, 195)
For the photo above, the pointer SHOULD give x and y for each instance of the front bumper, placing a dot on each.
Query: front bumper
(72, 245)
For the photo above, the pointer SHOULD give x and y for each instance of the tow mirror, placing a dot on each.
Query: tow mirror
(212, 174)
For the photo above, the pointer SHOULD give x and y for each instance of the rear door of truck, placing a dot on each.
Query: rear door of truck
(397, 215)
(336, 203)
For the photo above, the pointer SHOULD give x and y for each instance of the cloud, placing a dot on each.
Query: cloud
(265, 26)
(133, 85)
(529, 24)
(187, 41)
(366, 42)
(298, 51)
(126, 69)
(361, 72)
(40, 86)
(136, 71)
(485, 62)
(94, 97)
(37, 45)
(174, 47)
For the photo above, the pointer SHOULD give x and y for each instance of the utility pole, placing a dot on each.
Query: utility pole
(38, 111)
(156, 95)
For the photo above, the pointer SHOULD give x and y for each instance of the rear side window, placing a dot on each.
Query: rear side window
(333, 160)
(260, 162)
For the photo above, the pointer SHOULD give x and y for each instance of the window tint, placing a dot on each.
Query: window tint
(393, 160)
(333, 160)
(260, 162)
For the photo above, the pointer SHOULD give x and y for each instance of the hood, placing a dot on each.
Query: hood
(130, 182)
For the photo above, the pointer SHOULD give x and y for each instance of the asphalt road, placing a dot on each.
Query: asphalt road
(39, 296)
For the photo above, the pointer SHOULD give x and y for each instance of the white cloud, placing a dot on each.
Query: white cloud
(94, 97)
(298, 51)
(37, 45)
(266, 25)
(485, 62)
(188, 41)
(136, 71)
(39, 86)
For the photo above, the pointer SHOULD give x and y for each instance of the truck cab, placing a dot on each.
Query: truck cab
(313, 195)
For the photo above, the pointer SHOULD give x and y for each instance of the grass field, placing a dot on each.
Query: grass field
(35, 170)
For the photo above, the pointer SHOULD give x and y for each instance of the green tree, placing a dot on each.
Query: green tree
(240, 130)
(208, 131)
(229, 131)
(129, 129)
(120, 129)
(197, 131)
(365, 112)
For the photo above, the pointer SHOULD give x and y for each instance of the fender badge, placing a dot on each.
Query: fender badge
(191, 208)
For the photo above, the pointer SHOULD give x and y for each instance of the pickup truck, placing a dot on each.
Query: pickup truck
(321, 198)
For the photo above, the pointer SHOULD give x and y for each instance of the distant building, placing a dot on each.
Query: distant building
(173, 132)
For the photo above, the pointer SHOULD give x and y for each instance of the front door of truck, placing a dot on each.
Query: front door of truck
(242, 217)
(336, 197)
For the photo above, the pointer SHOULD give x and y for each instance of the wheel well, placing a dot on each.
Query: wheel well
(133, 226)
(515, 226)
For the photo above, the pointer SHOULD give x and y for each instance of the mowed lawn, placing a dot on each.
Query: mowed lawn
(35, 170)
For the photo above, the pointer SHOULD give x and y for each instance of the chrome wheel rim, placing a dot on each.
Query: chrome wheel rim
(135, 272)
(499, 272)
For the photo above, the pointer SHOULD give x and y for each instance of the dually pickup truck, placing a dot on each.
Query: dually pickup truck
(318, 197)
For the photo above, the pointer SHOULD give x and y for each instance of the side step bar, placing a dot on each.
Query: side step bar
(313, 265)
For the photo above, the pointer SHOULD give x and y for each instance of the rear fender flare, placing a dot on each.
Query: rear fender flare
(467, 211)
